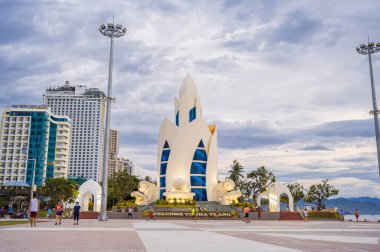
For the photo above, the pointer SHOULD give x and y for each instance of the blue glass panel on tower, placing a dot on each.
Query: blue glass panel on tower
(200, 155)
(165, 155)
(162, 193)
(177, 118)
(163, 167)
(163, 181)
(198, 168)
(201, 145)
(200, 194)
(166, 145)
(198, 180)
(192, 114)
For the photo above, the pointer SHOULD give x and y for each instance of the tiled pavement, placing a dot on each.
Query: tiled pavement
(203, 235)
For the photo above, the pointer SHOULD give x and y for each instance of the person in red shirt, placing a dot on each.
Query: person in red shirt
(246, 211)
(58, 213)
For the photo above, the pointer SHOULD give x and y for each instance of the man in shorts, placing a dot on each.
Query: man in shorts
(34, 206)
(246, 211)
(130, 210)
(76, 213)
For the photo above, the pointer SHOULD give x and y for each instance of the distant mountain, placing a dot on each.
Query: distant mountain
(366, 199)
(365, 205)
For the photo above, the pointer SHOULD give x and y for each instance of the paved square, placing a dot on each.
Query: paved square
(184, 235)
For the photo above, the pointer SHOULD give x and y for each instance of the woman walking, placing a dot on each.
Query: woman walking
(357, 215)
(58, 213)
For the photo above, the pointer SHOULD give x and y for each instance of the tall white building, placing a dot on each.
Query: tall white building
(85, 107)
(32, 138)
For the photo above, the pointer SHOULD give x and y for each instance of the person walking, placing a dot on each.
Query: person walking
(305, 214)
(259, 213)
(342, 214)
(34, 206)
(2, 212)
(193, 213)
(151, 214)
(10, 211)
(49, 212)
(357, 215)
(58, 213)
(130, 210)
(76, 212)
(246, 211)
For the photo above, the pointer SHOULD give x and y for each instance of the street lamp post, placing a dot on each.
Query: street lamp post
(369, 49)
(33, 176)
(111, 31)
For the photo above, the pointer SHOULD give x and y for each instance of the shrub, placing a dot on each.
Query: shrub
(324, 215)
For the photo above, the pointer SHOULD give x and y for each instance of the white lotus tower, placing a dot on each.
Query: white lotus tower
(187, 150)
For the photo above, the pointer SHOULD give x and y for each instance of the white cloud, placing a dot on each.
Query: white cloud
(270, 73)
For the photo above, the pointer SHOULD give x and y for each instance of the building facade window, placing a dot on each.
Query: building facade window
(177, 119)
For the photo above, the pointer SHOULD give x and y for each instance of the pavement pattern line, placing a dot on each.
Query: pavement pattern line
(202, 241)
(305, 244)
(334, 238)
(65, 229)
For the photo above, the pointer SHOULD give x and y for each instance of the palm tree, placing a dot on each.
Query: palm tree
(236, 172)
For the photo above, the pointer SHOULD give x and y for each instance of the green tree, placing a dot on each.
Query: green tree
(236, 173)
(256, 182)
(297, 191)
(121, 185)
(319, 193)
(60, 189)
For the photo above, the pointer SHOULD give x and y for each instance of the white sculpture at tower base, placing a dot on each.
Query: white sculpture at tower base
(225, 193)
(148, 193)
(274, 193)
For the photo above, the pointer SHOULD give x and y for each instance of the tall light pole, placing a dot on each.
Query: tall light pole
(111, 31)
(370, 49)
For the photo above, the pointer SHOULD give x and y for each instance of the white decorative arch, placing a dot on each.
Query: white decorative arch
(88, 189)
(274, 195)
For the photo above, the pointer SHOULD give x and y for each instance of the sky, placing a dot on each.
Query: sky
(281, 79)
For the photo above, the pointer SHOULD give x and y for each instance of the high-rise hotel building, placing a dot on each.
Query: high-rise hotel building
(85, 107)
(31, 137)
(113, 151)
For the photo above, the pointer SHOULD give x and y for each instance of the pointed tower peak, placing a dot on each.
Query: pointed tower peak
(188, 86)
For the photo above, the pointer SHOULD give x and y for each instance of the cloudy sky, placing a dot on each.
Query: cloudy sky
(281, 79)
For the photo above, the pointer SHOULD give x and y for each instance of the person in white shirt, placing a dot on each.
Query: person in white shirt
(34, 206)
(305, 214)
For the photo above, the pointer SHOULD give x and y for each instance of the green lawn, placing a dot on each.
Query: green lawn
(8, 223)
